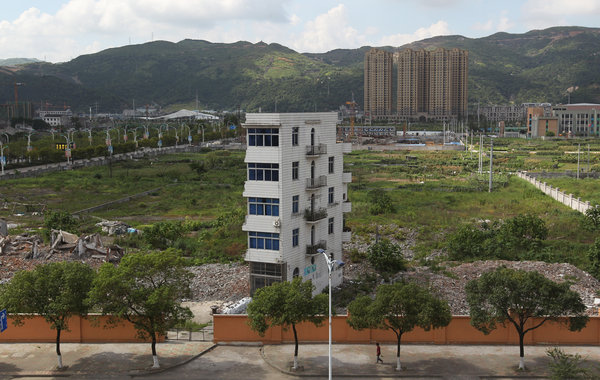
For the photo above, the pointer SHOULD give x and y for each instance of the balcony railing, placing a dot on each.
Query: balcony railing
(316, 150)
(315, 214)
(312, 249)
(315, 183)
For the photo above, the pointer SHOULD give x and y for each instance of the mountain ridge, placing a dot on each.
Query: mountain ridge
(538, 65)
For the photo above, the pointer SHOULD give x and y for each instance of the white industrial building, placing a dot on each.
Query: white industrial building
(297, 196)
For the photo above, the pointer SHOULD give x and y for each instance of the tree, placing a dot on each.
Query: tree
(399, 307)
(59, 220)
(594, 258)
(380, 202)
(386, 257)
(593, 219)
(163, 234)
(55, 291)
(287, 304)
(145, 289)
(517, 296)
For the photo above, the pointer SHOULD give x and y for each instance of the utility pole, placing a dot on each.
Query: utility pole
(578, 151)
(491, 162)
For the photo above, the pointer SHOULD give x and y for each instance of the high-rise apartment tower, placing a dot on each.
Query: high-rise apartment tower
(378, 83)
(432, 84)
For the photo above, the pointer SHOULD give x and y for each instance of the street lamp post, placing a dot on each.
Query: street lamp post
(330, 266)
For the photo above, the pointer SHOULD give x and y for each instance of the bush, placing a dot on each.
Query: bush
(163, 234)
(386, 257)
(379, 202)
(566, 366)
(60, 220)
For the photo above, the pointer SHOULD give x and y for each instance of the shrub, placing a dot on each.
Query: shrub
(566, 366)
(386, 257)
(379, 202)
(161, 235)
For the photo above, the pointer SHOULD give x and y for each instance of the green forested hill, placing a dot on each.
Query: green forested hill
(503, 68)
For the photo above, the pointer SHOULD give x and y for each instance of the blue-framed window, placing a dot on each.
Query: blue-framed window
(295, 237)
(330, 197)
(295, 204)
(263, 240)
(263, 137)
(263, 172)
(263, 206)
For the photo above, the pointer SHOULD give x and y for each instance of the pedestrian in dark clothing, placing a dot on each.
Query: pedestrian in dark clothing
(378, 354)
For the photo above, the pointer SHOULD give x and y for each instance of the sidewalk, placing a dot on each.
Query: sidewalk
(98, 359)
(420, 361)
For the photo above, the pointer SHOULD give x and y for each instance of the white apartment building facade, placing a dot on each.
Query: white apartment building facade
(296, 194)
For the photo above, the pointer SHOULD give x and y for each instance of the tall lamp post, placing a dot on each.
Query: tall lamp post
(331, 265)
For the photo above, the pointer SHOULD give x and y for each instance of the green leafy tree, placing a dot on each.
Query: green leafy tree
(146, 290)
(163, 234)
(592, 219)
(517, 296)
(523, 232)
(594, 258)
(379, 202)
(386, 257)
(55, 291)
(59, 220)
(399, 307)
(287, 304)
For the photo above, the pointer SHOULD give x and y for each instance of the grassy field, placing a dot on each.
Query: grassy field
(432, 192)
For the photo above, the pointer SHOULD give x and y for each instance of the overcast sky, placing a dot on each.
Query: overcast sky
(60, 30)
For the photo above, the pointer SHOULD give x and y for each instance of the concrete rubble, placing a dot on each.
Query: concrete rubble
(25, 251)
(113, 227)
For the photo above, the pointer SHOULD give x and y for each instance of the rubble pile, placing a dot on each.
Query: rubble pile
(224, 282)
(24, 252)
(453, 288)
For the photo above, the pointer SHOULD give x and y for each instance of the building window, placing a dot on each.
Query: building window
(263, 137)
(296, 272)
(295, 136)
(331, 198)
(263, 206)
(263, 240)
(263, 172)
(295, 237)
(295, 169)
(295, 204)
(330, 226)
(265, 274)
(331, 164)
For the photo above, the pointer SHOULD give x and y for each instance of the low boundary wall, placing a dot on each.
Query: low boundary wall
(82, 330)
(567, 199)
(235, 328)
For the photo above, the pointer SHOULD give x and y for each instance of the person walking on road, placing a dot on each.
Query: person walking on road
(378, 353)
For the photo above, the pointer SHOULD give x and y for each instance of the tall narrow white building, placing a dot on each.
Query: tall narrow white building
(297, 196)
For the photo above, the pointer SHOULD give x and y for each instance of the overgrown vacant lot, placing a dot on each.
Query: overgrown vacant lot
(432, 194)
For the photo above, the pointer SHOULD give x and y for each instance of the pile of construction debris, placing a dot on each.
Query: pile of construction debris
(24, 252)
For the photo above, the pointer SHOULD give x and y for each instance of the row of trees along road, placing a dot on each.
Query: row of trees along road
(496, 298)
(144, 289)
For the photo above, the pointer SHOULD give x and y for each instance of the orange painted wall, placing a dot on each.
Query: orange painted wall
(82, 330)
(234, 328)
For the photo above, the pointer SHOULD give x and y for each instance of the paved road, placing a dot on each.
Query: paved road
(203, 360)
